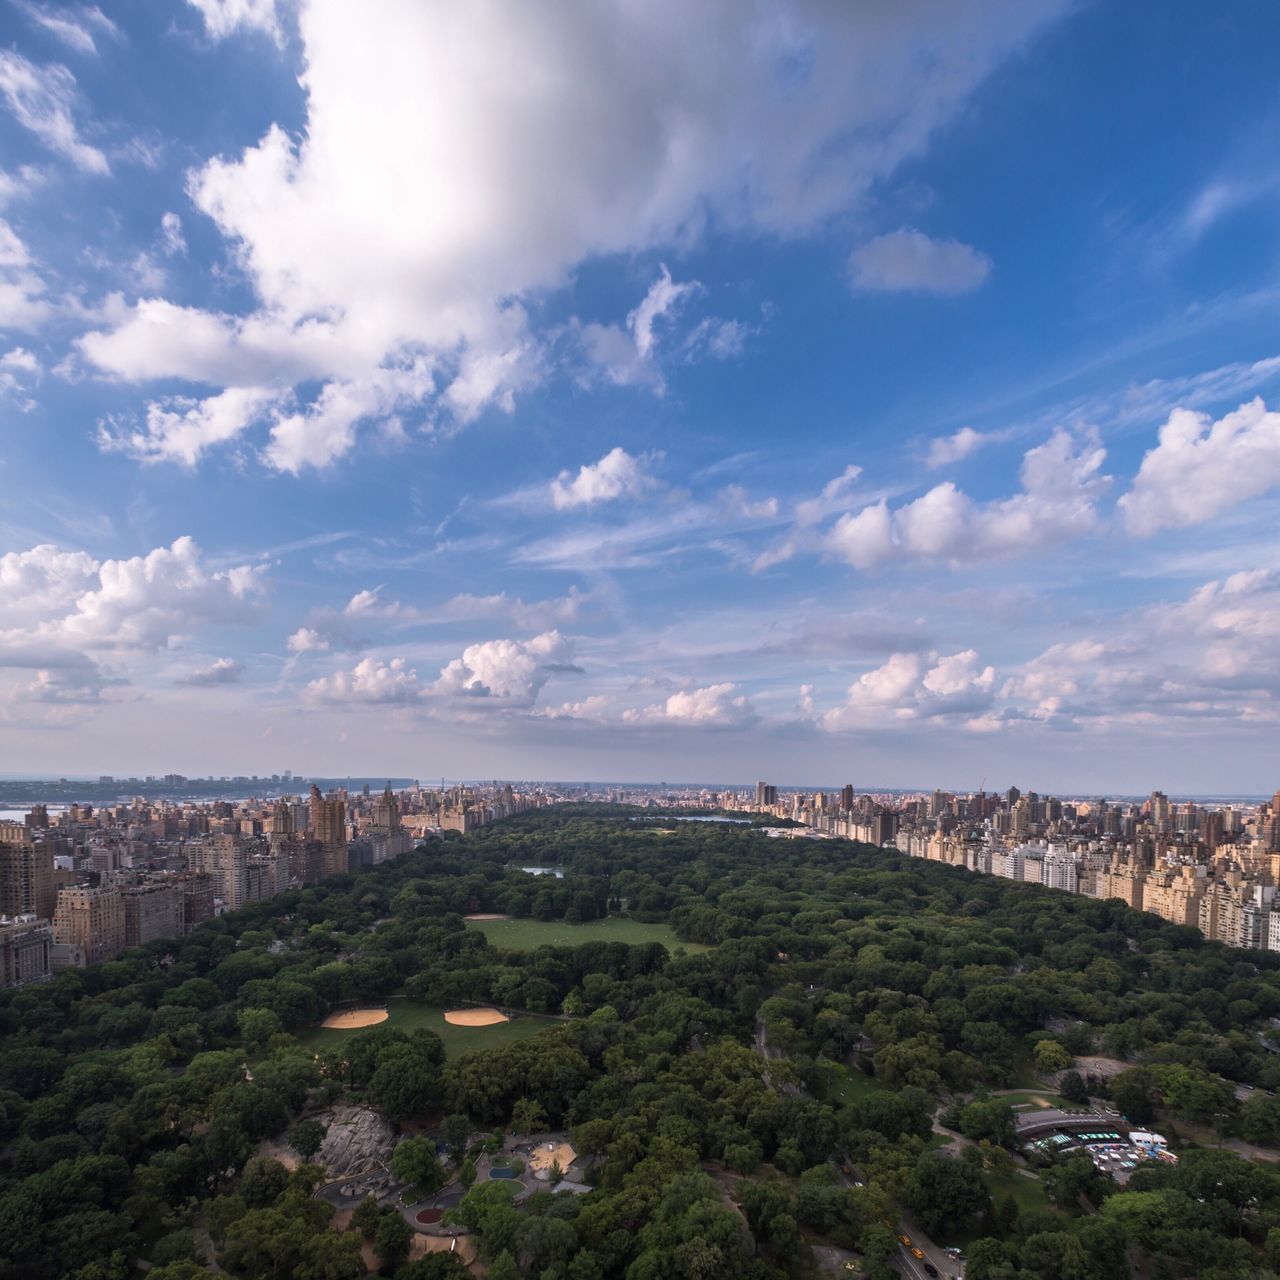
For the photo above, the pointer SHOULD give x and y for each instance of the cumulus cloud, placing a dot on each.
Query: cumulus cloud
(307, 640)
(514, 671)
(371, 681)
(909, 687)
(809, 512)
(435, 184)
(616, 475)
(947, 450)
(181, 430)
(716, 706)
(43, 582)
(43, 100)
(1200, 467)
(220, 671)
(141, 603)
(223, 18)
(1061, 483)
(908, 261)
(82, 625)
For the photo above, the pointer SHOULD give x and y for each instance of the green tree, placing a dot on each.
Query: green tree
(307, 1137)
(1049, 1057)
(1133, 1093)
(456, 1129)
(528, 1116)
(414, 1161)
(1073, 1088)
(366, 1216)
(392, 1239)
(945, 1196)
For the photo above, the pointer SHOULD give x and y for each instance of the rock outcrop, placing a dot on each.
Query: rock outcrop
(358, 1140)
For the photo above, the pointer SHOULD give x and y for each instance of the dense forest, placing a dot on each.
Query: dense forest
(892, 996)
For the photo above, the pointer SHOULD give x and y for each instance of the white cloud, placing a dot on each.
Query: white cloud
(810, 512)
(181, 430)
(325, 430)
(908, 261)
(1201, 467)
(835, 495)
(220, 671)
(435, 183)
(556, 610)
(43, 582)
(18, 370)
(1060, 487)
(616, 475)
(512, 670)
(42, 99)
(947, 450)
(82, 624)
(370, 681)
(19, 360)
(307, 640)
(141, 603)
(172, 241)
(598, 707)
(909, 687)
(663, 297)
(719, 338)
(23, 304)
(717, 706)
(74, 27)
(223, 18)
(628, 357)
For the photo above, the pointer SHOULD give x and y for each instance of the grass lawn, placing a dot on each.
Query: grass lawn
(852, 1085)
(1028, 1193)
(406, 1015)
(526, 935)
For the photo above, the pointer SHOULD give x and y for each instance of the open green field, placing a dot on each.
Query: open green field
(526, 935)
(854, 1085)
(407, 1015)
(1028, 1193)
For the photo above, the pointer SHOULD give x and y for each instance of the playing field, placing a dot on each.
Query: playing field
(409, 1014)
(525, 935)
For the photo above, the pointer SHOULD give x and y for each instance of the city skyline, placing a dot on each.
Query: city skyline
(654, 393)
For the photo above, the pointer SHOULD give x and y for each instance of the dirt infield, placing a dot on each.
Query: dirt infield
(348, 1019)
(486, 915)
(546, 1154)
(474, 1017)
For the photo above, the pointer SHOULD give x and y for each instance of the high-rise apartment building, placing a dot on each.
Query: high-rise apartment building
(152, 912)
(26, 874)
(92, 920)
(24, 951)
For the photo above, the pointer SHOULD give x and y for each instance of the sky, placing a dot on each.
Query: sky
(791, 390)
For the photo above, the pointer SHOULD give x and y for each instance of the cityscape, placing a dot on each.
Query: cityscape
(82, 885)
(639, 640)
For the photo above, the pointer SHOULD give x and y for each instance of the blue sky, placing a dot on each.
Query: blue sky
(801, 391)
